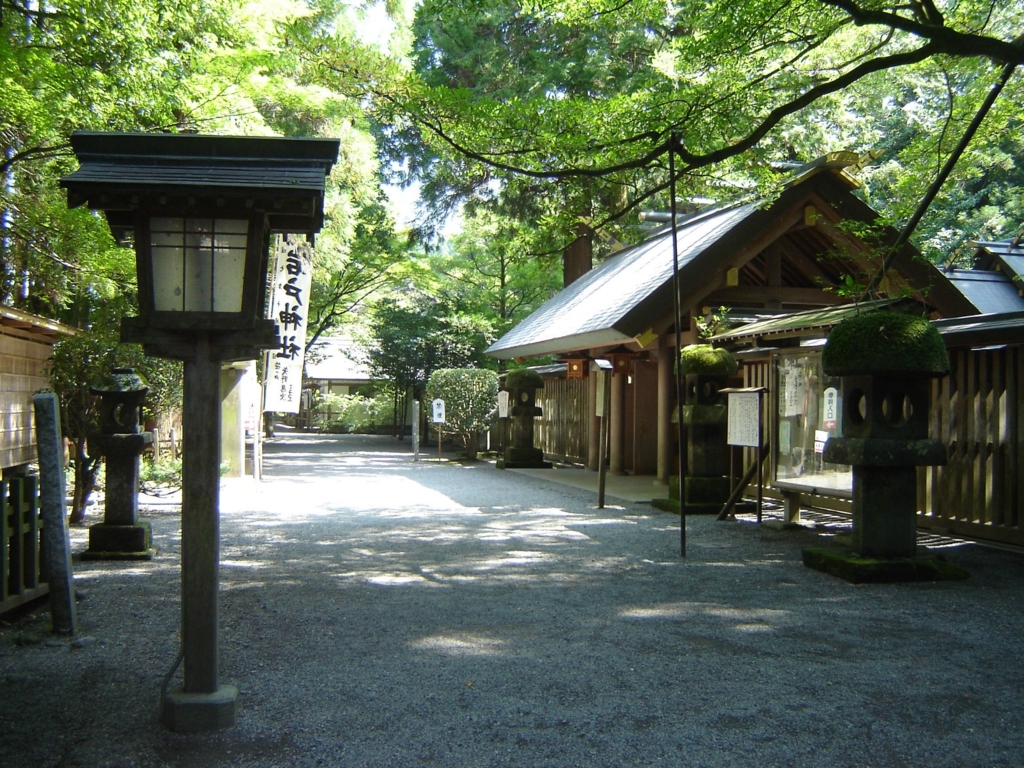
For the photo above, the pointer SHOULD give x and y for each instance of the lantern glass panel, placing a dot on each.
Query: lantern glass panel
(198, 264)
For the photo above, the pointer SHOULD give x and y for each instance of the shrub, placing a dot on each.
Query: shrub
(470, 397)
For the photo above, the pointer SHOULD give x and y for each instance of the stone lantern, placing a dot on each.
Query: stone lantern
(706, 372)
(522, 386)
(121, 536)
(887, 361)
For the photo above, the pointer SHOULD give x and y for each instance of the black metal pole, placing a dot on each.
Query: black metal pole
(679, 344)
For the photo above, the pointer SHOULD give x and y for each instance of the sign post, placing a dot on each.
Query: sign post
(746, 428)
(437, 412)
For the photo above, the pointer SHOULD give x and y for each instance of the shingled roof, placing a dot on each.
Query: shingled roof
(119, 171)
(630, 294)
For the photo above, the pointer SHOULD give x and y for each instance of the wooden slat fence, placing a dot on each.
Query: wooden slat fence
(563, 428)
(977, 412)
(21, 575)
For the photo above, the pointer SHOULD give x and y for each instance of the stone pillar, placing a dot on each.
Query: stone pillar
(666, 400)
(121, 536)
(232, 433)
(616, 424)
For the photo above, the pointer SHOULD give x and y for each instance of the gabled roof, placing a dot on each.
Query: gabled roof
(631, 292)
(590, 312)
(1006, 256)
(990, 291)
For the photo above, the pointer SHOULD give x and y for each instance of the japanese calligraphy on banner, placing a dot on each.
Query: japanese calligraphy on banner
(291, 272)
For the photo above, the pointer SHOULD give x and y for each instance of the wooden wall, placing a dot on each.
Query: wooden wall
(22, 366)
(977, 411)
(563, 428)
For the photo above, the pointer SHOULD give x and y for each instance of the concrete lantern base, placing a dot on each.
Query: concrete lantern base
(120, 542)
(845, 564)
(195, 712)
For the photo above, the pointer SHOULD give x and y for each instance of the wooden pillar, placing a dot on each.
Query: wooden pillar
(594, 436)
(666, 401)
(616, 424)
(200, 524)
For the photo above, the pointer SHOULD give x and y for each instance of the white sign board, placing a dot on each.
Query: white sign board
(437, 411)
(503, 404)
(820, 438)
(830, 412)
(292, 272)
(744, 419)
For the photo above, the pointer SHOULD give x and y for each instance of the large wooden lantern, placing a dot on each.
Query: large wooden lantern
(200, 211)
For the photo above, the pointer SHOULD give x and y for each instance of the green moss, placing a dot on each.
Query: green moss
(523, 378)
(706, 359)
(884, 342)
(862, 570)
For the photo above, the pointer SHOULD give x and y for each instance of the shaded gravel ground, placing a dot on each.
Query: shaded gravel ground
(377, 612)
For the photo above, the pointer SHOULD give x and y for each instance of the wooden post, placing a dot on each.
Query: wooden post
(200, 525)
(605, 415)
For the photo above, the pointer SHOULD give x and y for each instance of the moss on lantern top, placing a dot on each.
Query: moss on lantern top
(706, 359)
(523, 378)
(884, 342)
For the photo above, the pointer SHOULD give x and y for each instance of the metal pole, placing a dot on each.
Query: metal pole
(673, 139)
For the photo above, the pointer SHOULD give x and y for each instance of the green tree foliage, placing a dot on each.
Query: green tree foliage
(490, 269)
(548, 109)
(470, 397)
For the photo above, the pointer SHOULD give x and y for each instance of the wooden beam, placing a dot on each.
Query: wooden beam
(759, 294)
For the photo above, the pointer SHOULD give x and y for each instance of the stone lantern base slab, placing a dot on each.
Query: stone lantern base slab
(704, 495)
(196, 712)
(845, 564)
(120, 542)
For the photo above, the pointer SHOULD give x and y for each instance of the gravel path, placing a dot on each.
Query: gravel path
(377, 612)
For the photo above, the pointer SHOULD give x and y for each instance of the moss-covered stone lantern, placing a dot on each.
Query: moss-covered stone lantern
(706, 371)
(887, 361)
(121, 535)
(522, 385)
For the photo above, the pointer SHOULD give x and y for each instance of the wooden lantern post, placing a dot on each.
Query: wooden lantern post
(201, 211)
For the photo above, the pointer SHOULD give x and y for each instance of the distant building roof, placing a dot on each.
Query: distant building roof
(989, 291)
(336, 359)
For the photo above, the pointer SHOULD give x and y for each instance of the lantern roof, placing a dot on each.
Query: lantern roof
(121, 173)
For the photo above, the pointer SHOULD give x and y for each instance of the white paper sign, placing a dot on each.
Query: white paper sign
(831, 408)
(437, 410)
(820, 438)
(744, 418)
(292, 274)
(503, 404)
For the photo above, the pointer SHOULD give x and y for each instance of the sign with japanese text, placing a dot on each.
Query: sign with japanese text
(830, 416)
(291, 273)
(743, 419)
(503, 404)
(438, 411)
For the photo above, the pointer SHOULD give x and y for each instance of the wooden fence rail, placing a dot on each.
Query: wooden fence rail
(563, 429)
(21, 571)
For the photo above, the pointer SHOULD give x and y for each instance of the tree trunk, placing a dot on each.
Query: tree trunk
(86, 469)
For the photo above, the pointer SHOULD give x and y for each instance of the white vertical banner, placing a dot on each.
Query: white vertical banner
(291, 273)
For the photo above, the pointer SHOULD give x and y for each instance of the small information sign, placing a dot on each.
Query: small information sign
(831, 410)
(503, 404)
(820, 438)
(437, 411)
(744, 421)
